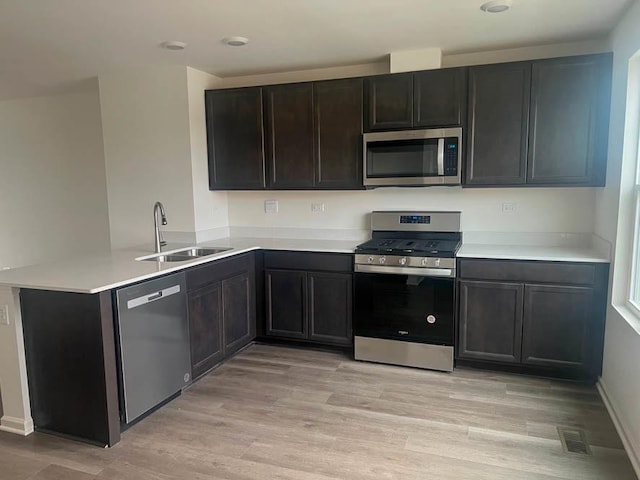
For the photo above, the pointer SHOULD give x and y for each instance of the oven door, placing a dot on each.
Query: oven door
(404, 307)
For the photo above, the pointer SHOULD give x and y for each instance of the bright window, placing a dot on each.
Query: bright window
(634, 290)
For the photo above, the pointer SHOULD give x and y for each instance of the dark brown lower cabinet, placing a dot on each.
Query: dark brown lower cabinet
(309, 305)
(205, 328)
(286, 298)
(71, 364)
(491, 321)
(330, 306)
(238, 312)
(512, 312)
(222, 310)
(557, 324)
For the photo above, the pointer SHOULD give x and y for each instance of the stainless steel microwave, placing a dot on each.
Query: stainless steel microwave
(412, 157)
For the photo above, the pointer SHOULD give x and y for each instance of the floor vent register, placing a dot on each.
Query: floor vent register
(574, 441)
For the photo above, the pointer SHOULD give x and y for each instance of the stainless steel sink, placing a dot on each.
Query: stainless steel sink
(167, 258)
(190, 253)
(201, 251)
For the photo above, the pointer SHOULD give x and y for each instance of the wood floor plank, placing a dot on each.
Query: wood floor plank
(56, 472)
(274, 412)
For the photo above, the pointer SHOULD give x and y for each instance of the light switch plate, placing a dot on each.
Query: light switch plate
(509, 208)
(271, 206)
(4, 314)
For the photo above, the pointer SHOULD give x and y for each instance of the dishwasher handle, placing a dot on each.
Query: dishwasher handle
(145, 299)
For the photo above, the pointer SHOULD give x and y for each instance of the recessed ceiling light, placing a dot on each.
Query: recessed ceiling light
(496, 6)
(235, 41)
(174, 45)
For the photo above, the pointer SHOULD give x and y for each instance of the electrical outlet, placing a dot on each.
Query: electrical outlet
(509, 208)
(271, 206)
(317, 207)
(4, 314)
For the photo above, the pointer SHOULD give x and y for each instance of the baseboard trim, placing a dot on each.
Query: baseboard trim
(15, 425)
(630, 447)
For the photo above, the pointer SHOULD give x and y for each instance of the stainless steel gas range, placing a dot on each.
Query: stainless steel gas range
(405, 289)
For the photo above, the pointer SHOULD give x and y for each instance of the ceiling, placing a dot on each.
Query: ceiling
(47, 46)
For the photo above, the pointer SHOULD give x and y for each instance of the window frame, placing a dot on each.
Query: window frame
(632, 302)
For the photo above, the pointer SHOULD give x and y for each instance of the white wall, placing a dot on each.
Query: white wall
(210, 208)
(147, 145)
(451, 60)
(52, 187)
(539, 210)
(621, 377)
(597, 45)
(53, 203)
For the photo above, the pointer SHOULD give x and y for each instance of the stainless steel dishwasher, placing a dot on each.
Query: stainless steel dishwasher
(154, 343)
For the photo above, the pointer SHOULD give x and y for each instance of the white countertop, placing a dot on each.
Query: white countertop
(528, 252)
(93, 273)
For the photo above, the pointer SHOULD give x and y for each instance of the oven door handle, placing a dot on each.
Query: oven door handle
(422, 272)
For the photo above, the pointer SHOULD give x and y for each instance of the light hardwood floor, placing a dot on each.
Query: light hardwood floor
(283, 413)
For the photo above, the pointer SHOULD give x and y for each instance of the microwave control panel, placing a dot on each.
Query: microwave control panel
(451, 154)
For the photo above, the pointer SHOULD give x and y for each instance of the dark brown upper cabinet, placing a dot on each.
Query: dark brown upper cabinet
(498, 124)
(290, 132)
(439, 97)
(235, 139)
(389, 102)
(338, 134)
(540, 123)
(433, 98)
(569, 120)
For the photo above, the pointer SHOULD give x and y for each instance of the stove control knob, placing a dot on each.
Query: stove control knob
(431, 319)
(370, 259)
(437, 262)
(382, 259)
(425, 262)
(403, 261)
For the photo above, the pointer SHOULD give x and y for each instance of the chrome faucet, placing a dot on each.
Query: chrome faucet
(158, 207)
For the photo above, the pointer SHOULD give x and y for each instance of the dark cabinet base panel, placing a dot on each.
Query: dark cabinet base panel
(306, 344)
(567, 374)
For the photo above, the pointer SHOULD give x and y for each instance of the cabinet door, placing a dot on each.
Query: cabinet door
(235, 139)
(205, 328)
(558, 321)
(330, 307)
(285, 293)
(389, 102)
(439, 97)
(490, 321)
(498, 124)
(290, 135)
(238, 300)
(338, 127)
(569, 121)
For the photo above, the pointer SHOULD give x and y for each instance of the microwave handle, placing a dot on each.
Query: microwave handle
(441, 157)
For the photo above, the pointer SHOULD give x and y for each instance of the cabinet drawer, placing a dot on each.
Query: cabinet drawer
(327, 262)
(527, 271)
(198, 277)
